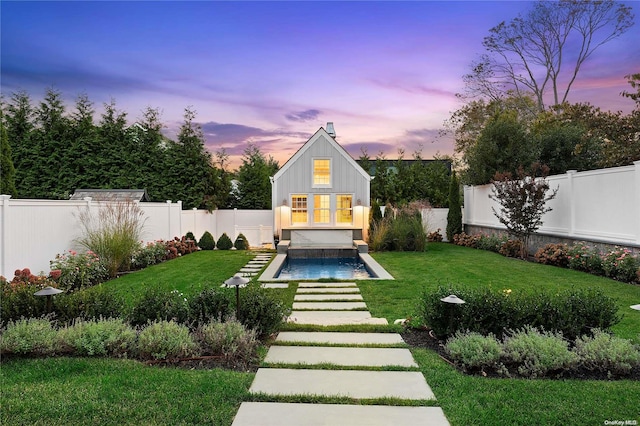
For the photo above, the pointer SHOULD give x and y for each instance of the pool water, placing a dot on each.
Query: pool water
(343, 268)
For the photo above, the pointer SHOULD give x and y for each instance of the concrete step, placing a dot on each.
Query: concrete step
(326, 297)
(333, 306)
(334, 290)
(314, 284)
(340, 338)
(342, 383)
(284, 414)
(334, 318)
(350, 357)
(275, 285)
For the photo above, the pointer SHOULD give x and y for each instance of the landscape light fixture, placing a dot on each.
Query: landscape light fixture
(237, 281)
(453, 299)
(636, 307)
(49, 292)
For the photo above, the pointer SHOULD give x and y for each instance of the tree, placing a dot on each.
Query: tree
(253, 190)
(522, 202)
(502, 146)
(454, 216)
(7, 171)
(19, 127)
(529, 53)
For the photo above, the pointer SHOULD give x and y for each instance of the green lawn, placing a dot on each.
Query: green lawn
(103, 392)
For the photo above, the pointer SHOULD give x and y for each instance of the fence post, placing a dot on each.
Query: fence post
(637, 198)
(3, 233)
(169, 220)
(572, 197)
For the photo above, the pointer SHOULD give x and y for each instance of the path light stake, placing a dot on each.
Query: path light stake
(237, 281)
(452, 300)
(49, 292)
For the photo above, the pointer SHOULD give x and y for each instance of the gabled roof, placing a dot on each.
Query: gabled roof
(111, 194)
(316, 136)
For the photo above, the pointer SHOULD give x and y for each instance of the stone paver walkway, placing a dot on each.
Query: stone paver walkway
(363, 372)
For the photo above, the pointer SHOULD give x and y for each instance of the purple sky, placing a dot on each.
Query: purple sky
(273, 72)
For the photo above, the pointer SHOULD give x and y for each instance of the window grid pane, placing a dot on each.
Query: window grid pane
(344, 209)
(299, 209)
(321, 206)
(322, 172)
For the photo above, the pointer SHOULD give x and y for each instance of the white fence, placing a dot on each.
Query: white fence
(597, 205)
(32, 232)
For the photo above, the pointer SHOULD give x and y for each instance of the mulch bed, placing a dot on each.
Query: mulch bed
(422, 338)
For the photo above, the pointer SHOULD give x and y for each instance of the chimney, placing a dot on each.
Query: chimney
(331, 130)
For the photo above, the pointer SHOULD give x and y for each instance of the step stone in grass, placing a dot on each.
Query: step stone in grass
(329, 306)
(345, 338)
(327, 297)
(340, 290)
(286, 414)
(334, 318)
(320, 285)
(350, 357)
(409, 385)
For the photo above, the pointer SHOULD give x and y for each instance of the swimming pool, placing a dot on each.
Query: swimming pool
(343, 268)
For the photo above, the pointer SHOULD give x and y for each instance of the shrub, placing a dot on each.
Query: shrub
(511, 248)
(473, 350)
(573, 313)
(230, 340)
(454, 216)
(466, 240)
(73, 271)
(241, 243)
(96, 302)
(261, 310)
(553, 254)
(435, 237)
(379, 235)
(620, 264)
(224, 242)
(160, 305)
(18, 301)
(105, 337)
(210, 304)
(606, 353)
(404, 232)
(585, 258)
(538, 353)
(181, 246)
(166, 339)
(113, 234)
(189, 236)
(29, 337)
(153, 253)
(491, 242)
(206, 241)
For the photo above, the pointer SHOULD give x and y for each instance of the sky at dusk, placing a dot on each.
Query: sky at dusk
(272, 73)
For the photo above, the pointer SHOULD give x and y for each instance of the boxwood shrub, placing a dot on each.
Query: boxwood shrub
(224, 242)
(572, 312)
(206, 241)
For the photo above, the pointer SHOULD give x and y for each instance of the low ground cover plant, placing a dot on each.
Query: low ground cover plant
(606, 353)
(106, 337)
(165, 339)
(236, 344)
(32, 336)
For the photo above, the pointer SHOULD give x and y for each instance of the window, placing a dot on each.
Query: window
(322, 172)
(344, 208)
(299, 209)
(321, 208)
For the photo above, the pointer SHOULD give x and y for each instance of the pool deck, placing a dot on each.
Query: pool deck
(269, 274)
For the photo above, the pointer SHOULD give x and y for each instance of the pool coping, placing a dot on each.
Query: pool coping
(270, 272)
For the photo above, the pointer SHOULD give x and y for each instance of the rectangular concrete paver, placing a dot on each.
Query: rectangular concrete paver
(285, 414)
(332, 306)
(341, 290)
(275, 285)
(306, 285)
(334, 318)
(342, 383)
(340, 338)
(365, 357)
(326, 297)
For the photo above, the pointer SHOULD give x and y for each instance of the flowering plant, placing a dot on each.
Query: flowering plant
(585, 258)
(74, 270)
(620, 264)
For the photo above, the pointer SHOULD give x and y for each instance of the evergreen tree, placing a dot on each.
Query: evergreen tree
(7, 171)
(19, 126)
(254, 189)
(111, 151)
(454, 217)
(79, 159)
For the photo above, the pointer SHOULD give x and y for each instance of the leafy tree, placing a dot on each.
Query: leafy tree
(253, 190)
(7, 171)
(545, 49)
(454, 216)
(502, 146)
(522, 201)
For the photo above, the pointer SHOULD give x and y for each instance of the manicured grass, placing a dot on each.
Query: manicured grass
(446, 264)
(78, 391)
